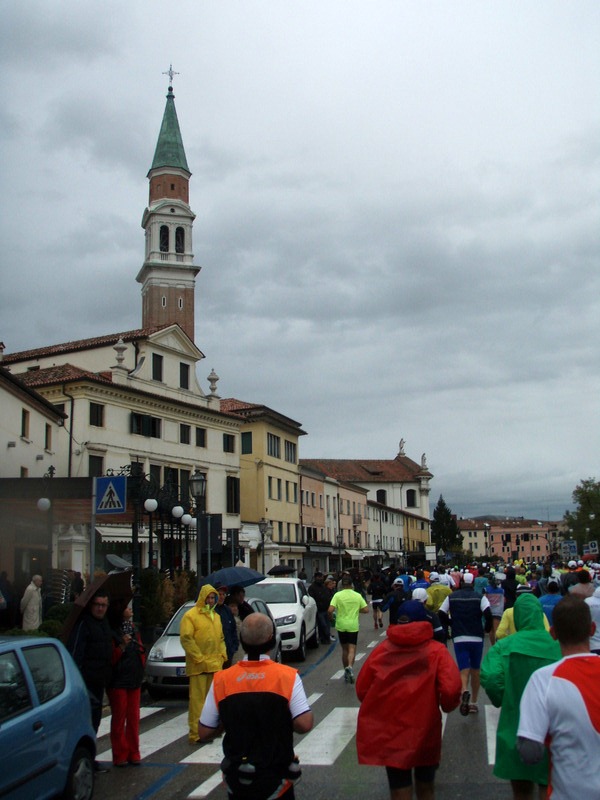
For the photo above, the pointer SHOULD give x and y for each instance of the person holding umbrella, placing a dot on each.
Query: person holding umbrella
(90, 644)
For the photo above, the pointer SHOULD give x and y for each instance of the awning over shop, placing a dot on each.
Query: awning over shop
(355, 555)
(120, 533)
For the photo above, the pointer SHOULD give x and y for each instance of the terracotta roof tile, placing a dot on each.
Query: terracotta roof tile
(81, 344)
(363, 470)
(62, 373)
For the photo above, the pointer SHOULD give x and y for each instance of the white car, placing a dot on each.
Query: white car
(165, 667)
(294, 612)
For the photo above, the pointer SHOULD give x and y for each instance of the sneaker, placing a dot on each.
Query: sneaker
(473, 708)
(100, 766)
(381, 623)
(332, 639)
(464, 704)
(349, 676)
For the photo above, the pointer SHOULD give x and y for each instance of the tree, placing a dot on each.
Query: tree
(445, 532)
(584, 522)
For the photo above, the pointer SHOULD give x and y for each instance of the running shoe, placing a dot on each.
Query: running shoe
(473, 708)
(464, 704)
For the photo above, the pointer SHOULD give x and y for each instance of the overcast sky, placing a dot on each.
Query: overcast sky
(398, 216)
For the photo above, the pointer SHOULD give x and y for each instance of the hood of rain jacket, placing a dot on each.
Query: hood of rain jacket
(411, 672)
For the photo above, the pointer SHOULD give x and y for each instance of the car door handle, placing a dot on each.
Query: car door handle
(37, 726)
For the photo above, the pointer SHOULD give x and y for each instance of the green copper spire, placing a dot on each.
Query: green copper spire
(169, 148)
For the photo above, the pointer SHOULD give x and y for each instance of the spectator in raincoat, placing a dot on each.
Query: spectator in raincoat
(201, 636)
(411, 672)
(505, 670)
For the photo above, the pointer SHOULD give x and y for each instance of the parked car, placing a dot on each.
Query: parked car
(294, 610)
(165, 666)
(47, 741)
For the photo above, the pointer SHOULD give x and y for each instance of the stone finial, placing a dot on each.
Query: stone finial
(120, 349)
(213, 378)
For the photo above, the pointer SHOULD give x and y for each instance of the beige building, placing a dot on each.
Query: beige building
(397, 491)
(269, 484)
(32, 436)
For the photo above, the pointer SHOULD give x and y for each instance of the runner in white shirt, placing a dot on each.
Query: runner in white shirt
(560, 705)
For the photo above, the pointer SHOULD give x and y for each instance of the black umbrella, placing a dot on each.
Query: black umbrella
(118, 587)
(281, 569)
(233, 576)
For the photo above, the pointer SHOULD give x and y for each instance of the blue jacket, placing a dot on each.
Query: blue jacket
(232, 642)
(465, 613)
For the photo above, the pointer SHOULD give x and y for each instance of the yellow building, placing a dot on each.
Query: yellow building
(269, 484)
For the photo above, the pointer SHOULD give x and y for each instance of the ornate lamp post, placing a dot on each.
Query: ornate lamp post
(198, 489)
(150, 506)
(263, 527)
(186, 521)
(44, 504)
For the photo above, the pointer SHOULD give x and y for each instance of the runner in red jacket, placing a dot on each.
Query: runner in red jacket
(412, 672)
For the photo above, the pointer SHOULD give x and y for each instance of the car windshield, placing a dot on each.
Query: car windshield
(275, 592)
(172, 628)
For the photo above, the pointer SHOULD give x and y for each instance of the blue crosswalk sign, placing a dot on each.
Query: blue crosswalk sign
(111, 495)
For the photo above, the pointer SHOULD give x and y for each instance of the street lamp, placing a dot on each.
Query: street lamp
(197, 485)
(150, 506)
(186, 521)
(177, 513)
(263, 527)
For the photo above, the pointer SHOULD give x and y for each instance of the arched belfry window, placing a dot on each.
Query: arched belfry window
(382, 496)
(411, 498)
(164, 238)
(179, 240)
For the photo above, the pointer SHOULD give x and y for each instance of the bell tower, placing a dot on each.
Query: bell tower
(168, 272)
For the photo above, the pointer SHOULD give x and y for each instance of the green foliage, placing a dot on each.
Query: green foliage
(584, 523)
(47, 628)
(444, 529)
(51, 627)
(59, 611)
(158, 598)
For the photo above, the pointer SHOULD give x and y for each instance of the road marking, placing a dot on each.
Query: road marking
(314, 697)
(337, 675)
(359, 657)
(324, 743)
(145, 711)
(492, 715)
(157, 738)
(209, 753)
(206, 787)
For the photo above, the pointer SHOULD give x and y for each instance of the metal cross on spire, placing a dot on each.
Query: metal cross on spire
(170, 72)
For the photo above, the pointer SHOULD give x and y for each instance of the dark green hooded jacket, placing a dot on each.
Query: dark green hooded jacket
(505, 671)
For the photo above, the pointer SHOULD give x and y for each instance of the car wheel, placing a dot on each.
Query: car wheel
(80, 781)
(301, 651)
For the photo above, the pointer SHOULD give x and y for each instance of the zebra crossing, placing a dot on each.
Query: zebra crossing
(321, 747)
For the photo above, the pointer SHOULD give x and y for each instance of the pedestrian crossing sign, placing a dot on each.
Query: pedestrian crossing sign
(111, 495)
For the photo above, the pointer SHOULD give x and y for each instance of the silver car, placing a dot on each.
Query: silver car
(165, 667)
